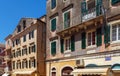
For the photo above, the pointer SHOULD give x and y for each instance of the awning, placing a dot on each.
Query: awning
(91, 71)
(5, 74)
(23, 72)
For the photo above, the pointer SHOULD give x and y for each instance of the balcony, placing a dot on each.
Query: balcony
(93, 15)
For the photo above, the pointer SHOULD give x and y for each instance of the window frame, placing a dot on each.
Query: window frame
(69, 10)
(91, 41)
(69, 45)
(117, 29)
(54, 6)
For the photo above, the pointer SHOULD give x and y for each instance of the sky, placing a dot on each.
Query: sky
(11, 11)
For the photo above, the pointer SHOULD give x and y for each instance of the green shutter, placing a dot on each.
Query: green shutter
(106, 34)
(65, 20)
(99, 37)
(34, 48)
(83, 7)
(53, 48)
(34, 63)
(53, 24)
(83, 40)
(62, 45)
(98, 7)
(72, 43)
(29, 50)
(115, 1)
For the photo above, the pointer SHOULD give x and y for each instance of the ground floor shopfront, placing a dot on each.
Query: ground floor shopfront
(102, 64)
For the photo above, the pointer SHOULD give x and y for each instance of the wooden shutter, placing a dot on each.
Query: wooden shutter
(83, 7)
(99, 36)
(72, 43)
(83, 35)
(114, 1)
(62, 45)
(98, 7)
(53, 24)
(53, 48)
(106, 34)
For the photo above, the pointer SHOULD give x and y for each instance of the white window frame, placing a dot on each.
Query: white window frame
(70, 10)
(89, 46)
(67, 50)
(117, 33)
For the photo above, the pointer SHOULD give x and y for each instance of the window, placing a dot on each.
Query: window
(32, 48)
(18, 64)
(0, 50)
(67, 44)
(91, 38)
(0, 61)
(18, 29)
(13, 64)
(13, 43)
(53, 24)
(24, 63)
(24, 51)
(32, 62)
(67, 19)
(17, 41)
(53, 72)
(31, 34)
(91, 4)
(24, 24)
(114, 1)
(53, 48)
(116, 32)
(24, 38)
(53, 4)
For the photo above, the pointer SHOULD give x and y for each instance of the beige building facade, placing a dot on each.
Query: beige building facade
(83, 38)
(28, 48)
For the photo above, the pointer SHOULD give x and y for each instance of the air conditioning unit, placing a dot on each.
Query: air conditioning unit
(80, 63)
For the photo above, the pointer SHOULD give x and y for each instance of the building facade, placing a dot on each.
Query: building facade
(2, 61)
(7, 57)
(28, 48)
(83, 38)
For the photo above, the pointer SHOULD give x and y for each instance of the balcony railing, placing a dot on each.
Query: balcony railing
(90, 14)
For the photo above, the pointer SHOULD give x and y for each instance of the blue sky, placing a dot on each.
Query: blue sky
(11, 11)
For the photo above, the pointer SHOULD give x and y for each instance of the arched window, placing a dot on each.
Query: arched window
(66, 71)
(53, 72)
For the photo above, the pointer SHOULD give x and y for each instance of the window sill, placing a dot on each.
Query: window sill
(91, 46)
(114, 42)
(67, 51)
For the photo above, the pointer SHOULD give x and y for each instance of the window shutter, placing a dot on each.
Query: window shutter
(62, 45)
(29, 64)
(34, 63)
(99, 36)
(53, 48)
(53, 25)
(34, 48)
(107, 34)
(26, 64)
(83, 7)
(22, 52)
(72, 43)
(29, 50)
(22, 64)
(98, 7)
(115, 1)
(83, 40)
(65, 20)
